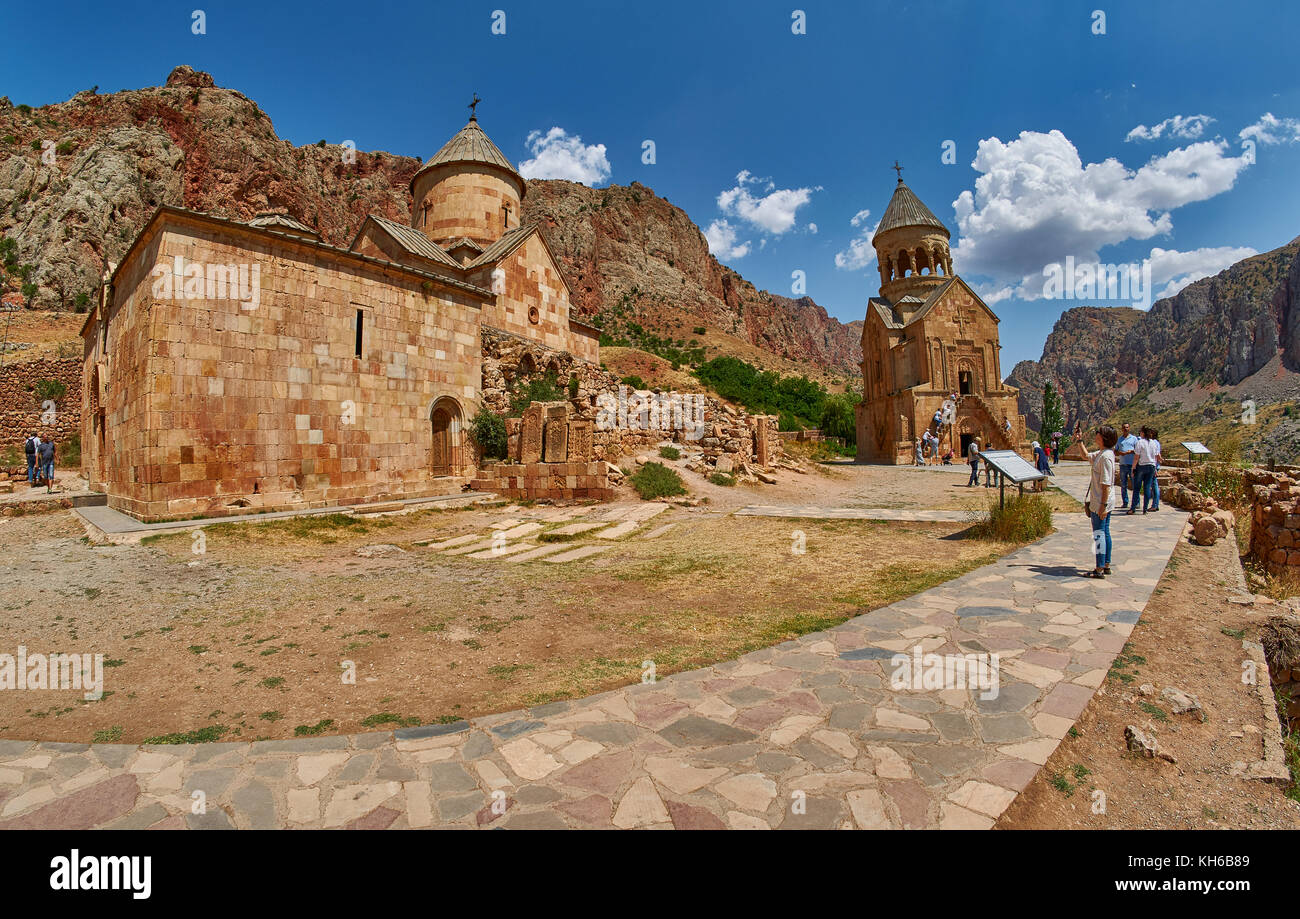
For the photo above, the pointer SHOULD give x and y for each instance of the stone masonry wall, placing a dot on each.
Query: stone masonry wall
(21, 414)
(1275, 520)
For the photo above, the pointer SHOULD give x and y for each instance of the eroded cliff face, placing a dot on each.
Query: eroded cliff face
(1238, 331)
(117, 156)
(632, 256)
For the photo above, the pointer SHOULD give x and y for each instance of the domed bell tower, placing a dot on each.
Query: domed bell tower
(467, 190)
(911, 247)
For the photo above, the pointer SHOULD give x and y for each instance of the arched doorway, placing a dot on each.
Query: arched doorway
(446, 447)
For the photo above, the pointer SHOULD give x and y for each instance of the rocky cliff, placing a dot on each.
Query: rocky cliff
(1237, 332)
(79, 178)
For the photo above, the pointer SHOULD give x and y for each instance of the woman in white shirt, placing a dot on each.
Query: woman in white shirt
(1145, 457)
(1101, 498)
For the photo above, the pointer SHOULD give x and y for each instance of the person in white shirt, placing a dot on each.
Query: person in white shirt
(1145, 457)
(1101, 498)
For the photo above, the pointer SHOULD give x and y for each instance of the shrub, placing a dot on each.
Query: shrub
(573, 386)
(698, 330)
(50, 389)
(545, 388)
(70, 452)
(1224, 484)
(721, 478)
(634, 381)
(670, 453)
(655, 480)
(1023, 519)
(489, 431)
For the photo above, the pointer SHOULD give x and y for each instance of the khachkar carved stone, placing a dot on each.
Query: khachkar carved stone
(530, 433)
(556, 449)
(581, 440)
(761, 450)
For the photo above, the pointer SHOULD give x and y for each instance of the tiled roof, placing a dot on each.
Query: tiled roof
(414, 242)
(886, 313)
(274, 221)
(464, 241)
(906, 210)
(470, 145)
(499, 249)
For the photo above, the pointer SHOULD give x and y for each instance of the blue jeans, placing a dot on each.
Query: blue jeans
(1155, 489)
(1125, 479)
(31, 470)
(1101, 538)
(47, 472)
(1143, 484)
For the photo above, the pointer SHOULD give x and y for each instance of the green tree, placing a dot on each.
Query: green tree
(1053, 419)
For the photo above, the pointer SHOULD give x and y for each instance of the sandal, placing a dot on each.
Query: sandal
(1095, 573)
(1106, 570)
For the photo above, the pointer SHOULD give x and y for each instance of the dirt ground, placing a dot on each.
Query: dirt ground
(46, 333)
(245, 641)
(1189, 637)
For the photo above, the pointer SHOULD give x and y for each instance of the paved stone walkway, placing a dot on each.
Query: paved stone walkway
(805, 734)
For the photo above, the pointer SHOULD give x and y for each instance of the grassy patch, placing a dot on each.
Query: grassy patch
(721, 478)
(311, 730)
(1024, 518)
(670, 453)
(655, 480)
(375, 720)
(108, 735)
(210, 734)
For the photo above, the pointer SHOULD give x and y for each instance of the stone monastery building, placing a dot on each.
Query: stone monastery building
(927, 336)
(234, 365)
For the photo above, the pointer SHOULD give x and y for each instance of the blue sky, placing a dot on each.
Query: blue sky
(1114, 148)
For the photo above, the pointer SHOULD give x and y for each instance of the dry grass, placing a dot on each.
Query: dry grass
(247, 640)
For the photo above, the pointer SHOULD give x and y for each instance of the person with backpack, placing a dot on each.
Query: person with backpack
(30, 446)
(1146, 454)
(45, 458)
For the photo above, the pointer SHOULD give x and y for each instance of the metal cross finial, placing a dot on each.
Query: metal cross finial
(898, 169)
(473, 115)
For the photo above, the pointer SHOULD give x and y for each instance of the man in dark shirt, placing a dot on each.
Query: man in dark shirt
(45, 455)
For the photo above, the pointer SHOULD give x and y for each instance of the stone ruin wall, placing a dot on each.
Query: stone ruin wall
(728, 435)
(21, 413)
(1275, 519)
(1275, 512)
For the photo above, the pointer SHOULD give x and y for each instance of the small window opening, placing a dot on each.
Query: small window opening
(361, 318)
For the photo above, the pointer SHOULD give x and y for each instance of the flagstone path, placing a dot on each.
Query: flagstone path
(805, 734)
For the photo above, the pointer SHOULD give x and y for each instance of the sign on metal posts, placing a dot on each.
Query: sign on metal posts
(1194, 449)
(1013, 467)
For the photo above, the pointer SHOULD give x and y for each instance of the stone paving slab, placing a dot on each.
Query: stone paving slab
(727, 746)
(818, 512)
(574, 554)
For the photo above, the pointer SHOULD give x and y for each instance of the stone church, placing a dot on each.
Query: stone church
(926, 337)
(248, 366)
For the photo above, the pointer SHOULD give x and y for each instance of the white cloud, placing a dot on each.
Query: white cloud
(860, 252)
(723, 241)
(1175, 270)
(772, 211)
(1272, 130)
(559, 155)
(1184, 127)
(812, 228)
(1037, 203)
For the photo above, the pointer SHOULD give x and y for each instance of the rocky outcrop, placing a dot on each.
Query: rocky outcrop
(79, 178)
(1238, 330)
(631, 256)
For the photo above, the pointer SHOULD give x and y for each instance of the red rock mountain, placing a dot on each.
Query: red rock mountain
(1237, 332)
(79, 178)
